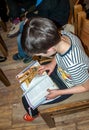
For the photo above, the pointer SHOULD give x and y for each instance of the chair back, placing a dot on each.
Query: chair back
(4, 50)
(83, 30)
(77, 8)
(72, 4)
(84, 34)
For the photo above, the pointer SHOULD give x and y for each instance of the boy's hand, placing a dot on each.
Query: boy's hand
(49, 68)
(52, 94)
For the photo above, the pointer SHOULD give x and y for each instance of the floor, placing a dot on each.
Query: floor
(11, 108)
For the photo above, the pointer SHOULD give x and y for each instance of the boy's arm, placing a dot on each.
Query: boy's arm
(74, 90)
(77, 89)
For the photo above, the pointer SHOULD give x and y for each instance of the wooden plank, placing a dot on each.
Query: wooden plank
(5, 117)
(69, 106)
(4, 79)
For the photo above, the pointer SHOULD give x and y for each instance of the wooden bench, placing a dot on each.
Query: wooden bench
(74, 104)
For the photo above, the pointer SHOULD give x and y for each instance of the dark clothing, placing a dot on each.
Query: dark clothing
(17, 7)
(3, 11)
(59, 83)
(56, 10)
(27, 107)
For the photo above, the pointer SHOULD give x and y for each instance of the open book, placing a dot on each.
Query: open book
(34, 85)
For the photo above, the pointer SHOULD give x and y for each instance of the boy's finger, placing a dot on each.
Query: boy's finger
(48, 90)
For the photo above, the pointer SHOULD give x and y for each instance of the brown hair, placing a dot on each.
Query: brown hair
(39, 34)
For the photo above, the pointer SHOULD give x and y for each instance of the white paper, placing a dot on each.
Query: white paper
(36, 90)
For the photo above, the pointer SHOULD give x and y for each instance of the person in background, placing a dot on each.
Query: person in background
(57, 11)
(16, 9)
(3, 11)
(69, 68)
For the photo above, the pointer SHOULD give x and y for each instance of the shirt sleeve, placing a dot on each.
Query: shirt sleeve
(79, 73)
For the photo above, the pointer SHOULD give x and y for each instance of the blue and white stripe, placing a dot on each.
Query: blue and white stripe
(75, 62)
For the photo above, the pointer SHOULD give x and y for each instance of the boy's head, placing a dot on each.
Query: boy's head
(39, 35)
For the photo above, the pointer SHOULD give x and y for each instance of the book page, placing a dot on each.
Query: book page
(35, 86)
(38, 90)
(26, 76)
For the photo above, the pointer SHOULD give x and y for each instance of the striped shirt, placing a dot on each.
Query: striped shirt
(73, 66)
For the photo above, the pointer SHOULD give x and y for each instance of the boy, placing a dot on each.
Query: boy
(70, 64)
